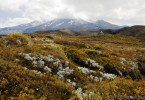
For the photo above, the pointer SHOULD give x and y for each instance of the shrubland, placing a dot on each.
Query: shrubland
(83, 67)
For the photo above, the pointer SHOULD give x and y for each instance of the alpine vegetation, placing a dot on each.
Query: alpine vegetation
(71, 67)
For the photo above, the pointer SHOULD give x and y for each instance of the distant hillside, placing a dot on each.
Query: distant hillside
(132, 31)
(106, 25)
(64, 32)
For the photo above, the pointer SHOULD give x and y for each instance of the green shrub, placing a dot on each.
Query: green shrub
(92, 53)
(17, 39)
(49, 37)
(102, 60)
(77, 56)
(118, 89)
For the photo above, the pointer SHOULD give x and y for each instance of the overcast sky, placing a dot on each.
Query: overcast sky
(121, 12)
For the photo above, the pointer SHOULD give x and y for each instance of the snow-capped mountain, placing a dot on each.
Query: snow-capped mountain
(19, 28)
(58, 24)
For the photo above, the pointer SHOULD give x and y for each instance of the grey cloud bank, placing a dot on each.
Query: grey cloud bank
(121, 12)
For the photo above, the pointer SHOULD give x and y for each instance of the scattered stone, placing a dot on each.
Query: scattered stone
(35, 63)
(86, 70)
(134, 65)
(28, 57)
(83, 95)
(93, 63)
(96, 79)
(73, 84)
(17, 60)
(47, 69)
(66, 63)
(41, 63)
(92, 77)
(79, 91)
(108, 76)
(67, 71)
(122, 59)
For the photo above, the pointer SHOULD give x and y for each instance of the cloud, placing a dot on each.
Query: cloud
(122, 12)
(116, 11)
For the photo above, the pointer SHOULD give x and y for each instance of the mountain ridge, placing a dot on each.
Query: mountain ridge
(59, 24)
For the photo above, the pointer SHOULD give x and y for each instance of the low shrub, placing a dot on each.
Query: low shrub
(77, 56)
(118, 89)
(92, 53)
(16, 39)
